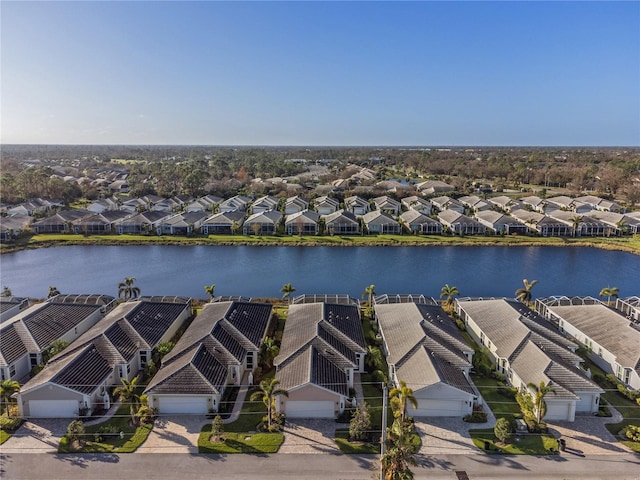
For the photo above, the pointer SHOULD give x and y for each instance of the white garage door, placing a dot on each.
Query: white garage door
(557, 411)
(584, 403)
(437, 408)
(53, 408)
(310, 409)
(183, 405)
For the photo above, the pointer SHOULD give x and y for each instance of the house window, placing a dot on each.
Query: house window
(33, 358)
(12, 371)
(482, 338)
(2, 375)
(250, 361)
(143, 358)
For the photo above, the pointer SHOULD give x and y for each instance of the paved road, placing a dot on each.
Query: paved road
(311, 467)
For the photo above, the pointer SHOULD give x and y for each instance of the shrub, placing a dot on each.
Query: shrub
(598, 378)
(630, 394)
(476, 417)
(75, 430)
(632, 432)
(9, 424)
(105, 431)
(503, 430)
(360, 423)
(498, 376)
(217, 428)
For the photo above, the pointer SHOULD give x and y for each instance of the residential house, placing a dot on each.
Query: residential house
(99, 223)
(77, 381)
(501, 223)
(388, 205)
(380, 222)
(28, 334)
(181, 224)
(568, 204)
(341, 222)
(619, 223)
(612, 340)
(10, 306)
(417, 203)
(504, 203)
(528, 351)
(60, 222)
(302, 223)
(119, 186)
(356, 205)
(431, 187)
(425, 349)
(581, 225)
(630, 307)
(35, 206)
(597, 203)
(447, 203)
(103, 205)
(322, 349)
(145, 222)
(12, 227)
(265, 204)
(542, 224)
(207, 203)
(420, 223)
(393, 186)
(475, 203)
(239, 202)
(295, 204)
(460, 224)
(265, 223)
(325, 205)
(219, 348)
(223, 223)
(537, 204)
(134, 205)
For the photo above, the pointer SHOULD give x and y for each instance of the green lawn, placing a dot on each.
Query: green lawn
(250, 415)
(354, 448)
(235, 442)
(131, 439)
(524, 444)
(4, 436)
(500, 405)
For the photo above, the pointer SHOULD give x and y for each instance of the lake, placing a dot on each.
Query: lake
(261, 271)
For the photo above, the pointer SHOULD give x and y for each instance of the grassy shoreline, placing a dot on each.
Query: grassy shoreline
(627, 244)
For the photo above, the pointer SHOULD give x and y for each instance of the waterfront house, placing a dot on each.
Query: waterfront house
(265, 223)
(388, 205)
(223, 222)
(537, 204)
(104, 204)
(581, 225)
(630, 307)
(302, 223)
(77, 381)
(356, 205)
(61, 222)
(219, 348)
(380, 222)
(99, 223)
(527, 352)
(141, 223)
(295, 204)
(12, 227)
(612, 339)
(425, 349)
(341, 223)
(325, 205)
(619, 223)
(322, 349)
(181, 223)
(460, 224)
(418, 222)
(238, 202)
(501, 223)
(568, 204)
(542, 224)
(30, 332)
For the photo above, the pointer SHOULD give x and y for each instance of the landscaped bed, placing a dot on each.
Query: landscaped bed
(132, 436)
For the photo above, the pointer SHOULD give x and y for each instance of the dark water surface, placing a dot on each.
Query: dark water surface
(261, 271)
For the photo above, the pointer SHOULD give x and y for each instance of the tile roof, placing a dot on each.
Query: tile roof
(85, 372)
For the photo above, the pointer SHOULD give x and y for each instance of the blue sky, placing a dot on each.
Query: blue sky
(321, 73)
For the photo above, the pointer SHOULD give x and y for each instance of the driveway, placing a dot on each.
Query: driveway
(41, 435)
(174, 434)
(448, 435)
(310, 436)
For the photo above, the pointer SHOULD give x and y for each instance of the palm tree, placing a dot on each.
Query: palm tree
(400, 453)
(6, 292)
(287, 289)
(127, 290)
(609, 292)
(399, 397)
(235, 226)
(53, 291)
(540, 405)
(7, 389)
(210, 289)
(270, 350)
(268, 392)
(575, 223)
(448, 292)
(126, 393)
(524, 294)
(369, 293)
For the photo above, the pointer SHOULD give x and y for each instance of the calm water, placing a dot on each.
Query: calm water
(261, 271)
